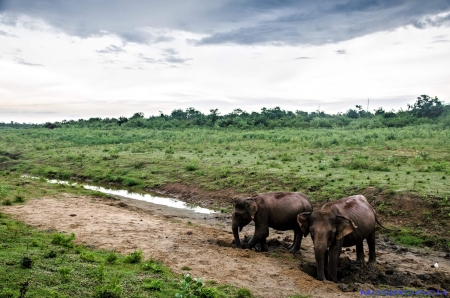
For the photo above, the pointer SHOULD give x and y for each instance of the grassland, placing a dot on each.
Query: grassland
(49, 264)
(326, 164)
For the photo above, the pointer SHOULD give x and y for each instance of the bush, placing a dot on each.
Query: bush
(208, 292)
(134, 257)
(26, 262)
(111, 258)
(108, 291)
(152, 284)
(244, 293)
(19, 199)
(191, 166)
(190, 287)
(152, 265)
(63, 240)
(7, 202)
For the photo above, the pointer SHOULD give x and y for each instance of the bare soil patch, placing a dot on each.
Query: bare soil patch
(204, 243)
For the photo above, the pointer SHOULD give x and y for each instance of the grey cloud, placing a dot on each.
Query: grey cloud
(303, 58)
(111, 49)
(441, 41)
(176, 60)
(341, 52)
(23, 62)
(169, 51)
(307, 22)
(4, 33)
(436, 21)
(147, 59)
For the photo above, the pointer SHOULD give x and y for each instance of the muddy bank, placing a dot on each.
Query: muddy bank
(203, 242)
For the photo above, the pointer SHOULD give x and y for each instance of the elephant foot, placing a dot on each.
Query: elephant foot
(372, 261)
(294, 251)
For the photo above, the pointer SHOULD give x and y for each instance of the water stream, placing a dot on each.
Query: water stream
(166, 201)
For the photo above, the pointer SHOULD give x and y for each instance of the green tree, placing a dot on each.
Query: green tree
(426, 106)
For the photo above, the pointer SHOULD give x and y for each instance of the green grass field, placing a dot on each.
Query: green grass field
(48, 264)
(325, 163)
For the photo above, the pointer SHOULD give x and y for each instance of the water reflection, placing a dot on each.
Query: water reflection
(170, 202)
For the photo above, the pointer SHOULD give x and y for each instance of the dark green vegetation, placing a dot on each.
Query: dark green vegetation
(39, 264)
(425, 110)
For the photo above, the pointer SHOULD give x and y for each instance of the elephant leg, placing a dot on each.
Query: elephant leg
(292, 245)
(297, 241)
(371, 243)
(334, 252)
(360, 252)
(260, 234)
(264, 246)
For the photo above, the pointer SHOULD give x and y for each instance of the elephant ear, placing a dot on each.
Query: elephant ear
(303, 222)
(344, 226)
(252, 207)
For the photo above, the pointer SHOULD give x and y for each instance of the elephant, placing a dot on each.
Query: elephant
(342, 223)
(277, 210)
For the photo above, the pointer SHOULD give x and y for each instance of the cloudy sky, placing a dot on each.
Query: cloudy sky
(109, 58)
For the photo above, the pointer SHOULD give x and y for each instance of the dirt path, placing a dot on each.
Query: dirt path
(203, 243)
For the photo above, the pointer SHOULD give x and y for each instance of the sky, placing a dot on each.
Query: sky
(64, 60)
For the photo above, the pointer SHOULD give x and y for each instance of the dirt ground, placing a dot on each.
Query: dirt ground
(204, 243)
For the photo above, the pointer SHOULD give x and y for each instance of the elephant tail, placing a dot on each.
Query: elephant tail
(378, 222)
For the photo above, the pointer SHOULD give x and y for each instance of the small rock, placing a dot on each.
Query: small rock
(343, 287)
(72, 215)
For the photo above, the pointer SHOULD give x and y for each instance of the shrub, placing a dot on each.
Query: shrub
(26, 262)
(244, 293)
(108, 291)
(208, 292)
(191, 166)
(7, 202)
(189, 287)
(152, 265)
(19, 199)
(134, 257)
(63, 240)
(111, 258)
(152, 284)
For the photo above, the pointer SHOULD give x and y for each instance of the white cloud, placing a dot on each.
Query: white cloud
(50, 74)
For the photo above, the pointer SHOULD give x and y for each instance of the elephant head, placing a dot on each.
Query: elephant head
(325, 228)
(244, 211)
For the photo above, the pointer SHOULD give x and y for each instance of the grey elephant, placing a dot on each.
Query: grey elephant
(277, 210)
(342, 223)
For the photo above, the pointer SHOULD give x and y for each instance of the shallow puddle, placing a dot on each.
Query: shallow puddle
(154, 199)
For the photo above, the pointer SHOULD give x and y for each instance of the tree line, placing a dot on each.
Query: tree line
(425, 110)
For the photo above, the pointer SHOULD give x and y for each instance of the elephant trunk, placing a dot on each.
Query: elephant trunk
(237, 241)
(320, 262)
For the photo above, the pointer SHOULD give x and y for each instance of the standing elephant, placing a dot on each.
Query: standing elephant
(342, 223)
(277, 210)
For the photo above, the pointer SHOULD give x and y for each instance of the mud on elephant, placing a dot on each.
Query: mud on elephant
(342, 223)
(277, 210)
